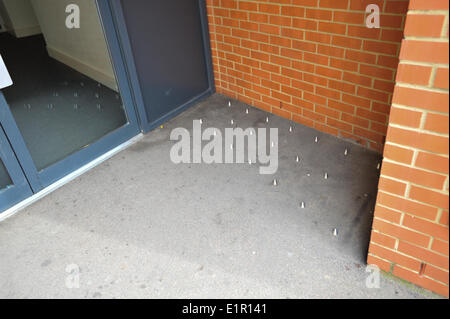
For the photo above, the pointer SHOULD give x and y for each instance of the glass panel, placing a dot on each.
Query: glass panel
(5, 180)
(65, 94)
(175, 72)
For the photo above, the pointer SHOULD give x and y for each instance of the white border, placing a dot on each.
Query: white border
(66, 179)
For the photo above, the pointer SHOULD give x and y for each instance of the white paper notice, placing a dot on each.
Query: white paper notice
(5, 79)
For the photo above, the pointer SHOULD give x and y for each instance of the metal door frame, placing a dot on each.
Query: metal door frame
(114, 7)
(19, 189)
(41, 179)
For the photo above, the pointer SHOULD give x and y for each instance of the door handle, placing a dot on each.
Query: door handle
(5, 78)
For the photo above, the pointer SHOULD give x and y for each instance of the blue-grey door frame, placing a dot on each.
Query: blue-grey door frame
(40, 179)
(19, 189)
(115, 8)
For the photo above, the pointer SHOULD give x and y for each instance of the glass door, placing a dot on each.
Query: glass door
(70, 100)
(169, 58)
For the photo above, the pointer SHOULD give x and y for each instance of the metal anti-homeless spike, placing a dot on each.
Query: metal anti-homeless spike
(267, 119)
(325, 176)
(316, 139)
(246, 111)
(302, 205)
(297, 159)
(290, 129)
(232, 122)
(275, 182)
(201, 121)
(379, 166)
(346, 152)
(335, 232)
(229, 103)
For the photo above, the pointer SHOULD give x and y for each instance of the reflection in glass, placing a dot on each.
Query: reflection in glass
(5, 180)
(64, 95)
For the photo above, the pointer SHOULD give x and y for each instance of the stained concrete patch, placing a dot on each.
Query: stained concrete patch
(141, 226)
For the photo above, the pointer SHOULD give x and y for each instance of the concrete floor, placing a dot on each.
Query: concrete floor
(140, 226)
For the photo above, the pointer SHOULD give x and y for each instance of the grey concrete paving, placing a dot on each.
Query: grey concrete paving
(140, 226)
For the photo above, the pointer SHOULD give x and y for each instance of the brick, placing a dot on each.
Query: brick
(382, 264)
(413, 175)
(293, 11)
(444, 219)
(427, 227)
(423, 254)
(331, 27)
(373, 94)
(421, 280)
(424, 51)
(436, 273)
(428, 5)
(400, 7)
(440, 246)
(433, 101)
(304, 24)
(428, 196)
(383, 240)
(388, 61)
(331, 51)
(380, 47)
(387, 214)
(318, 37)
(392, 186)
(341, 106)
(433, 162)
(335, 74)
(361, 56)
(364, 32)
(441, 79)
(319, 14)
(357, 79)
(355, 120)
(348, 17)
(394, 256)
(398, 154)
(405, 117)
(400, 233)
(346, 42)
(407, 206)
(424, 25)
(269, 8)
(414, 74)
(422, 141)
(437, 123)
(374, 71)
(343, 64)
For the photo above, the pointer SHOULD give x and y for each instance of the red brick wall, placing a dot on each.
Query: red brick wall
(312, 61)
(411, 226)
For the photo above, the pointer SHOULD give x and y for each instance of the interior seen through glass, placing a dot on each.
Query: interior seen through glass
(64, 94)
(5, 180)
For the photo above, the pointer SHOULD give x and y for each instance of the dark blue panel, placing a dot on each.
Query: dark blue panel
(168, 55)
